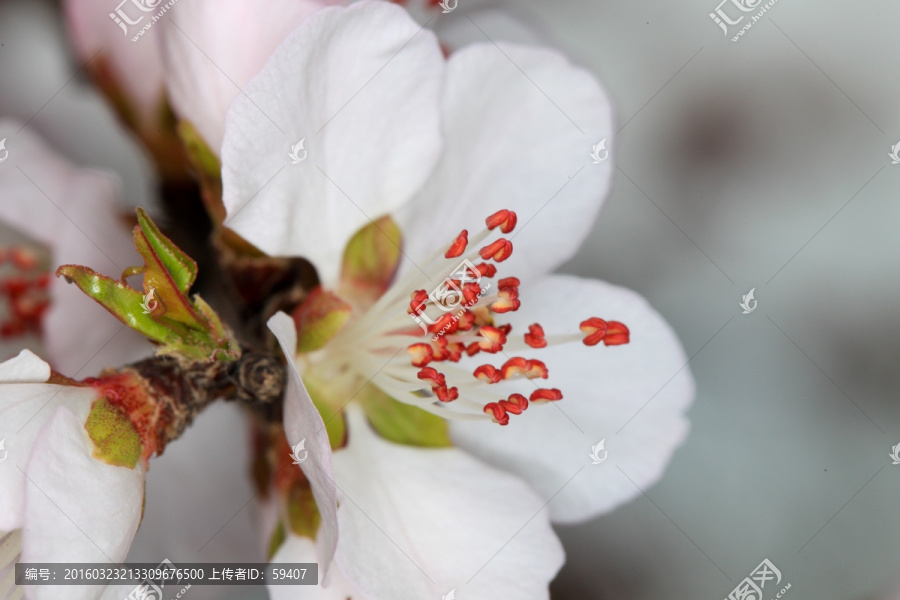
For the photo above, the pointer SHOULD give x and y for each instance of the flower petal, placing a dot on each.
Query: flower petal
(303, 422)
(24, 408)
(296, 549)
(417, 523)
(643, 384)
(75, 213)
(519, 124)
(77, 508)
(26, 367)
(360, 87)
(212, 48)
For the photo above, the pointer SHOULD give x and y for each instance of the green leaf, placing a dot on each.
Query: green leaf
(179, 265)
(116, 441)
(175, 305)
(119, 299)
(403, 423)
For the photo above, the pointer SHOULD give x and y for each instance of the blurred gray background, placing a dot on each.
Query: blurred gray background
(758, 164)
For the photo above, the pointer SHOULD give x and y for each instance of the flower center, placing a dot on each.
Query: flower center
(411, 342)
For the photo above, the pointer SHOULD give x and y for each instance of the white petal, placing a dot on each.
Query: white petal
(604, 388)
(360, 85)
(302, 421)
(416, 523)
(135, 66)
(26, 367)
(24, 408)
(77, 508)
(519, 124)
(212, 48)
(75, 213)
(297, 549)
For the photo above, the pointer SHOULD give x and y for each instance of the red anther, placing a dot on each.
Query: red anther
(446, 351)
(23, 258)
(515, 404)
(532, 369)
(545, 395)
(15, 286)
(497, 413)
(445, 320)
(595, 328)
(486, 269)
(466, 321)
(499, 250)
(471, 291)
(492, 339)
(446, 395)
(616, 334)
(417, 302)
(488, 374)
(508, 301)
(458, 246)
(431, 374)
(535, 336)
(421, 354)
(455, 349)
(473, 349)
(514, 366)
(508, 282)
(505, 329)
(505, 219)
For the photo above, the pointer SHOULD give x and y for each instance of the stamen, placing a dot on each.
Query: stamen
(505, 219)
(458, 246)
(499, 250)
(535, 336)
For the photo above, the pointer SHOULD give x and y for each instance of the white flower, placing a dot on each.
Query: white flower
(394, 130)
(212, 48)
(75, 213)
(60, 502)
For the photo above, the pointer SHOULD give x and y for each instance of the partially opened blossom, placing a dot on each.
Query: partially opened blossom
(72, 485)
(129, 72)
(76, 214)
(428, 174)
(212, 48)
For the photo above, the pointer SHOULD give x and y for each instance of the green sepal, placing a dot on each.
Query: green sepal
(116, 441)
(403, 423)
(277, 539)
(303, 514)
(370, 259)
(335, 426)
